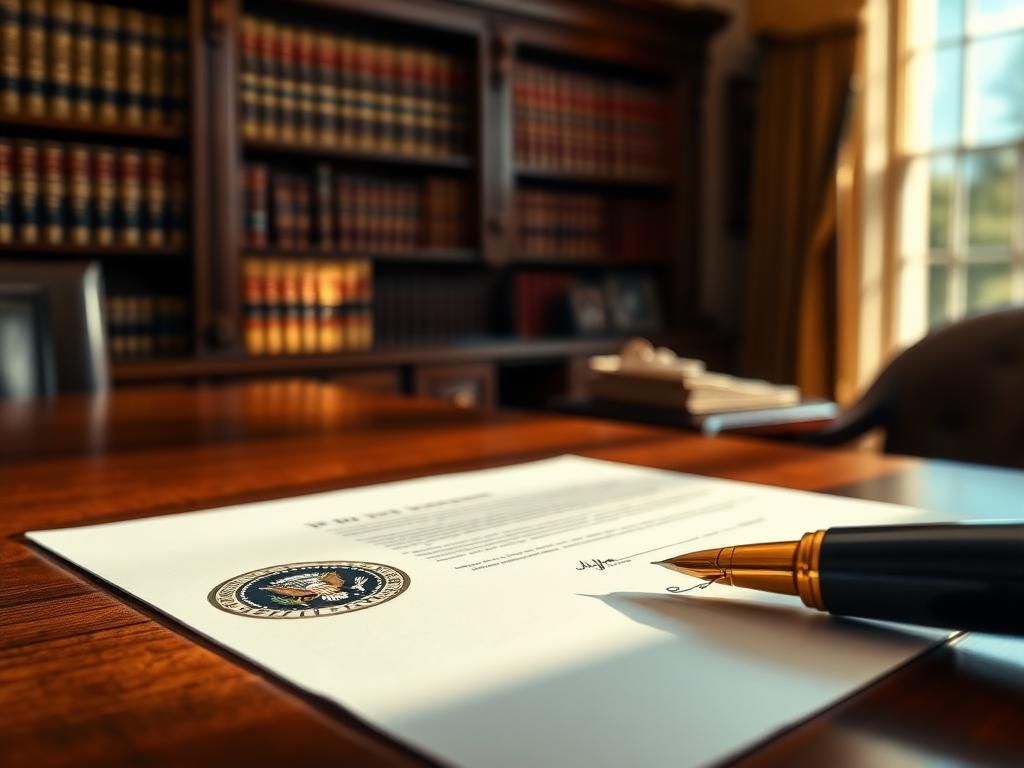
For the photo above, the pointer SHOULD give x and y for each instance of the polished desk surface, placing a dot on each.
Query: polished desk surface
(88, 677)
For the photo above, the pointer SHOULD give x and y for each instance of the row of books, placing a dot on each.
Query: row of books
(561, 225)
(421, 307)
(307, 306)
(147, 325)
(77, 60)
(60, 194)
(330, 211)
(300, 84)
(586, 124)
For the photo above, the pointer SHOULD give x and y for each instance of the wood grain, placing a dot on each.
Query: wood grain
(88, 676)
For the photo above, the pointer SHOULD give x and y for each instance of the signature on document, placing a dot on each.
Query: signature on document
(597, 563)
(680, 590)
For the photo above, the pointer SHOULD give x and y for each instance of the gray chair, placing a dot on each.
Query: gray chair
(51, 329)
(957, 394)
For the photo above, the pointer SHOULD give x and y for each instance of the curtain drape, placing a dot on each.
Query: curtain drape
(790, 314)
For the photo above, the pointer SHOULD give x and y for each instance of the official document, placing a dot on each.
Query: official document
(512, 617)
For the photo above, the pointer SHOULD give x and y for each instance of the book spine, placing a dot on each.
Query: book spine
(330, 299)
(269, 112)
(10, 56)
(459, 109)
(386, 87)
(84, 93)
(177, 202)
(406, 104)
(156, 70)
(306, 96)
(133, 67)
(327, 90)
(105, 186)
(364, 113)
(177, 71)
(424, 124)
(54, 193)
(249, 78)
(80, 178)
(273, 310)
(254, 282)
(283, 221)
(343, 306)
(364, 314)
(33, 64)
(303, 209)
(343, 202)
(155, 182)
(7, 206)
(29, 193)
(307, 307)
(256, 193)
(444, 105)
(324, 208)
(287, 95)
(346, 95)
(60, 19)
(108, 64)
(292, 307)
(171, 323)
(129, 196)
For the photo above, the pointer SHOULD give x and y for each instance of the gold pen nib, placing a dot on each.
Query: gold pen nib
(706, 564)
(768, 567)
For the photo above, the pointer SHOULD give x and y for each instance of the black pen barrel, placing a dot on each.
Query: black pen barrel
(967, 577)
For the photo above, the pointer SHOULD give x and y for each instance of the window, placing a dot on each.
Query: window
(960, 157)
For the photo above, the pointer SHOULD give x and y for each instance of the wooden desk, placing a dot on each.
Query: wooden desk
(87, 677)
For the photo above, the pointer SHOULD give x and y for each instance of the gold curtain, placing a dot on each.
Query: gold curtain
(790, 321)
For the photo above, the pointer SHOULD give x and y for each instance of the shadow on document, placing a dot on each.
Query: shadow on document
(698, 680)
(770, 633)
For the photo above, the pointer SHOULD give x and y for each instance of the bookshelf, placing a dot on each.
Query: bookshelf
(95, 156)
(435, 117)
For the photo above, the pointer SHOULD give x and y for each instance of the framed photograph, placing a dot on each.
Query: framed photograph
(588, 308)
(633, 304)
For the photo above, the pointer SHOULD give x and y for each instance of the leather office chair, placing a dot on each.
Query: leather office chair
(26, 349)
(52, 337)
(957, 394)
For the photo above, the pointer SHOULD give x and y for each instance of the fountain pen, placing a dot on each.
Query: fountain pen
(957, 576)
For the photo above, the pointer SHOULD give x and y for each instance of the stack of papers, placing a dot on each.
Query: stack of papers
(646, 376)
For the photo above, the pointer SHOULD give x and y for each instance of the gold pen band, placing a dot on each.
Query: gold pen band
(806, 573)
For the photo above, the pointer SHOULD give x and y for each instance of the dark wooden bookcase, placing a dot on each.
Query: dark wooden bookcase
(643, 43)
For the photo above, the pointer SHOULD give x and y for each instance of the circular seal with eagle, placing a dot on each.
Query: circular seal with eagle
(307, 590)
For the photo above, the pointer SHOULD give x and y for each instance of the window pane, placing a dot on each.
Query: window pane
(926, 206)
(988, 286)
(938, 284)
(940, 201)
(931, 21)
(932, 105)
(995, 89)
(996, 15)
(989, 177)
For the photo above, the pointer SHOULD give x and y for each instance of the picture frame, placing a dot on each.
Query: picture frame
(588, 308)
(633, 303)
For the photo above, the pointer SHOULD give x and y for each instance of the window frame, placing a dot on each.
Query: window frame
(906, 302)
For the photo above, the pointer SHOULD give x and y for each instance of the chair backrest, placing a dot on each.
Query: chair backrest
(26, 349)
(956, 394)
(73, 321)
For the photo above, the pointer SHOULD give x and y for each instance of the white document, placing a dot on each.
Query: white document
(512, 617)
